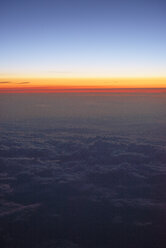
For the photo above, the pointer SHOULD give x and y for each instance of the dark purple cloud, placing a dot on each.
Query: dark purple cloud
(80, 184)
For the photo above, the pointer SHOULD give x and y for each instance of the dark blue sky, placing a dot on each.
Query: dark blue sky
(83, 38)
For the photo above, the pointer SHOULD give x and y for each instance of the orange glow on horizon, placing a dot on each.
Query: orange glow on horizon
(22, 85)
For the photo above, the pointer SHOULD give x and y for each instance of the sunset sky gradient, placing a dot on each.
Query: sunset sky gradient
(83, 123)
(83, 43)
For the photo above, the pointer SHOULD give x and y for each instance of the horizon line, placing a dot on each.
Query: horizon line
(83, 90)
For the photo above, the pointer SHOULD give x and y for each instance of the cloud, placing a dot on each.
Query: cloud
(24, 83)
(11, 208)
(80, 184)
(21, 83)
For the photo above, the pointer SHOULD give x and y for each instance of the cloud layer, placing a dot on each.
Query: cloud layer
(76, 188)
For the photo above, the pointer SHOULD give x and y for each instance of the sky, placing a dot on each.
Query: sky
(82, 39)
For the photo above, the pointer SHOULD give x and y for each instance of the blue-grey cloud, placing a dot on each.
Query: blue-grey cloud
(78, 181)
